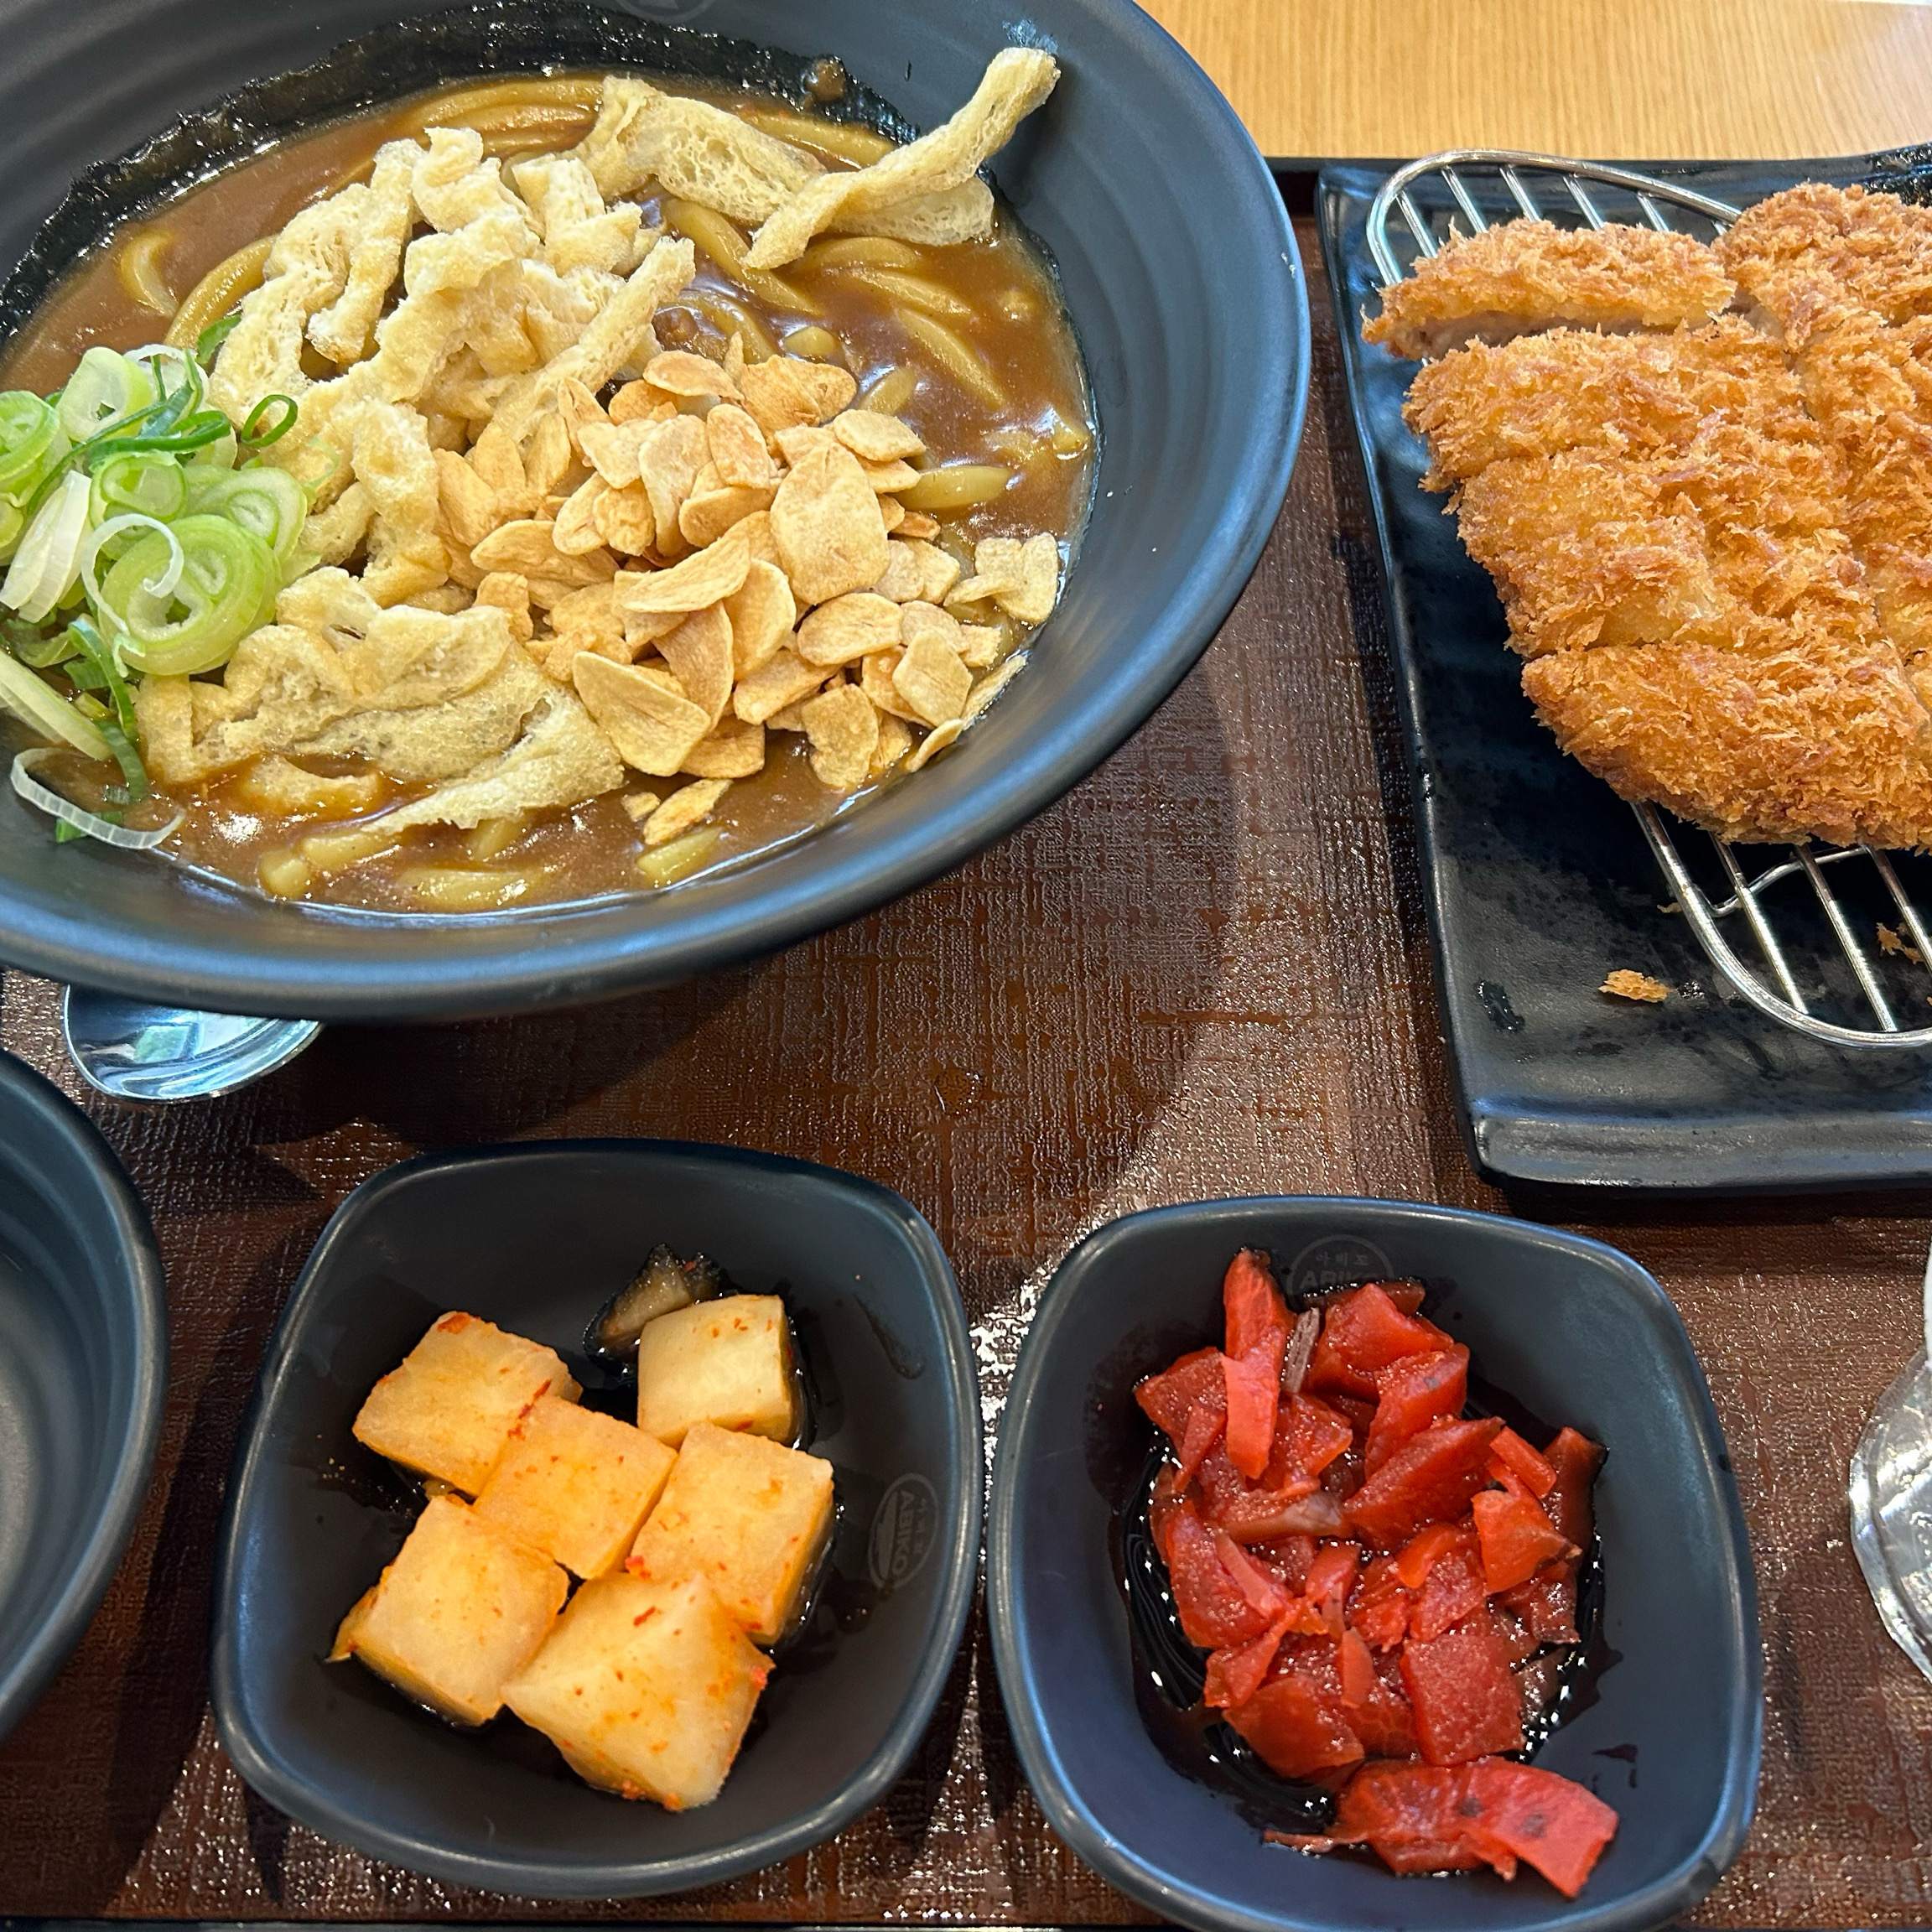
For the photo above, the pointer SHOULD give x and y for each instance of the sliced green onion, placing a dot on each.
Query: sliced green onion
(161, 584)
(214, 336)
(49, 559)
(134, 774)
(219, 454)
(228, 579)
(27, 696)
(31, 443)
(147, 483)
(102, 670)
(255, 432)
(104, 388)
(13, 523)
(91, 823)
(267, 503)
(39, 652)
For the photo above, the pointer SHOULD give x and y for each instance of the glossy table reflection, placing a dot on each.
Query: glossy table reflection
(1205, 971)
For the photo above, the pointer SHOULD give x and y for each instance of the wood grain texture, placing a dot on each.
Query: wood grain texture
(1205, 971)
(1658, 79)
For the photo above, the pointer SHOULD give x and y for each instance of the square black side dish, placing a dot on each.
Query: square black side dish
(1539, 881)
(536, 1238)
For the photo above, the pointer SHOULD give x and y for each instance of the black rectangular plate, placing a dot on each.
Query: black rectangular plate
(1538, 880)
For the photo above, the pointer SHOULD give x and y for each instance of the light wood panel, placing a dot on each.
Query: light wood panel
(1680, 78)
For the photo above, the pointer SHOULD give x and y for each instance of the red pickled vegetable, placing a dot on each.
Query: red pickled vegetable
(1410, 1395)
(1392, 1660)
(1576, 1460)
(1365, 1330)
(1236, 1673)
(1410, 1815)
(1429, 1479)
(1517, 1538)
(1296, 1729)
(1168, 1399)
(1213, 1608)
(1417, 1556)
(1533, 1471)
(1257, 1333)
(1453, 1589)
(1205, 1427)
(1379, 1605)
(1465, 1700)
(1547, 1821)
(1308, 1436)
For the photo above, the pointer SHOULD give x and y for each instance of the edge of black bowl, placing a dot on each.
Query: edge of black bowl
(1657, 1905)
(132, 1235)
(559, 967)
(257, 1763)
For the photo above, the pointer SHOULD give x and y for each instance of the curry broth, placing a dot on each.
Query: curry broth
(1011, 314)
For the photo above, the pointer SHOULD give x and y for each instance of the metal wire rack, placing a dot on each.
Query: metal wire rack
(1803, 919)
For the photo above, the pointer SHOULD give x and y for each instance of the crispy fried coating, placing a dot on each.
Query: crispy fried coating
(1813, 250)
(1571, 389)
(1715, 544)
(1793, 731)
(1522, 276)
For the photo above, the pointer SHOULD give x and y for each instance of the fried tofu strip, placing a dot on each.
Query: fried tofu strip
(1525, 276)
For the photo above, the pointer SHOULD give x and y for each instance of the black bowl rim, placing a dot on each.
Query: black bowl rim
(583, 952)
(1657, 1903)
(260, 1766)
(56, 1117)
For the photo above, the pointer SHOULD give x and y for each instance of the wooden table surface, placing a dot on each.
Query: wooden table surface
(1203, 973)
(1663, 79)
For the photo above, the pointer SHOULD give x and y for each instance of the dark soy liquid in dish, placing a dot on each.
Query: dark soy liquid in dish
(1170, 1674)
(1009, 312)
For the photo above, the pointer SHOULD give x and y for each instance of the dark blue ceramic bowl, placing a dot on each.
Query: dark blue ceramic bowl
(83, 1376)
(536, 1238)
(1577, 1334)
(1180, 275)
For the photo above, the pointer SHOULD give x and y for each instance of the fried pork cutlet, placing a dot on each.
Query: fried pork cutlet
(1816, 247)
(1793, 732)
(1715, 545)
(1524, 276)
(1571, 389)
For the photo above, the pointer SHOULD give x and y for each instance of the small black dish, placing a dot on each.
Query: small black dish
(1536, 878)
(83, 1376)
(536, 1238)
(1575, 1332)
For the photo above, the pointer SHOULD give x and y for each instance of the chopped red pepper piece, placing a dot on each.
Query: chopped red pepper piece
(1410, 1395)
(1257, 1334)
(1517, 1538)
(1429, 1479)
(1361, 1331)
(1465, 1700)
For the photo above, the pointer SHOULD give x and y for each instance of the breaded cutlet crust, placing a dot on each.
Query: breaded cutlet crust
(1527, 275)
(1715, 544)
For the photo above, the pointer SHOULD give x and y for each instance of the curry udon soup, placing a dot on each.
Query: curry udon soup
(534, 491)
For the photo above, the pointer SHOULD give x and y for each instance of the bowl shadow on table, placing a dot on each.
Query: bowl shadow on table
(624, 1066)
